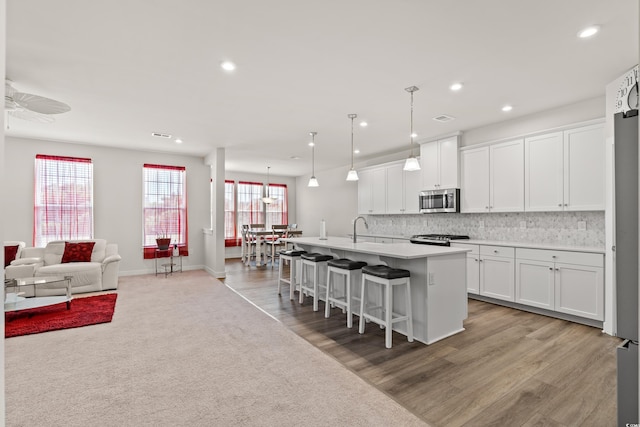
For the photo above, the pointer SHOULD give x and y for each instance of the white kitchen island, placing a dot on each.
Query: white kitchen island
(438, 279)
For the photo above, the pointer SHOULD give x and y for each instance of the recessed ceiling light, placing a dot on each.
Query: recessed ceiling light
(311, 144)
(295, 157)
(364, 124)
(456, 87)
(413, 135)
(228, 66)
(588, 32)
(178, 141)
(356, 151)
(507, 108)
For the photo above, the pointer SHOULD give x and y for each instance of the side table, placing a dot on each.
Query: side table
(173, 266)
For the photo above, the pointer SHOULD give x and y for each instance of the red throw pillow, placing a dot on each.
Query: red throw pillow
(10, 253)
(77, 252)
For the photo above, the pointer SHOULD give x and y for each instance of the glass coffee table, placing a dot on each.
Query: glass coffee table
(15, 288)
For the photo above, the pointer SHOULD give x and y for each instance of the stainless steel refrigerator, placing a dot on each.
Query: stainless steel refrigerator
(626, 248)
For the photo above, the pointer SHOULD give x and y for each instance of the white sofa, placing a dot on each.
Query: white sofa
(98, 275)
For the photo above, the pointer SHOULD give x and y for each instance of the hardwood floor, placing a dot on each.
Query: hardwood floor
(508, 368)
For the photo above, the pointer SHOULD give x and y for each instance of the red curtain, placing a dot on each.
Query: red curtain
(165, 208)
(63, 202)
(231, 238)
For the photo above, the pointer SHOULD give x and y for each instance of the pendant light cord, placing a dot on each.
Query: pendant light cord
(411, 89)
(352, 116)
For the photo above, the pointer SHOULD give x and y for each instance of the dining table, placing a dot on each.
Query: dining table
(258, 236)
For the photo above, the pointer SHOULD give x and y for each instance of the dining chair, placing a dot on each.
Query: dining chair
(277, 233)
(258, 240)
(248, 245)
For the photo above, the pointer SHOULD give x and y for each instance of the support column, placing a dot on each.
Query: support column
(214, 238)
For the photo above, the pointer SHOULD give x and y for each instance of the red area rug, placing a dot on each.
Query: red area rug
(84, 311)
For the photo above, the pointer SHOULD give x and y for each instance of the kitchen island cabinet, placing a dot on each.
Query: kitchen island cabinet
(438, 280)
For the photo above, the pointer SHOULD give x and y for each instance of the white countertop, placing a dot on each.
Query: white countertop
(384, 236)
(395, 250)
(549, 246)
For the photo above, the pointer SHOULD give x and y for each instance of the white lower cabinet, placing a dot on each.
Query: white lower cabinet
(497, 272)
(473, 266)
(560, 281)
(566, 282)
(535, 283)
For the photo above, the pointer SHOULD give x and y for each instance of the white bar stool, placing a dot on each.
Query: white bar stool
(310, 284)
(349, 271)
(293, 257)
(389, 278)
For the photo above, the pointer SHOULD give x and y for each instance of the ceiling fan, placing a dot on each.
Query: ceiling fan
(27, 106)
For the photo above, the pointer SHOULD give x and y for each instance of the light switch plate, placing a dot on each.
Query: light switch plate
(582, 225)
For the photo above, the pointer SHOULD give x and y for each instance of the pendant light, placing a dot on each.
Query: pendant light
(353, 174)
(267, 200)
(313, 182)
(412, 164)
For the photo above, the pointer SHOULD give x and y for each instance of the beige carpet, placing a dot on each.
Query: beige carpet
(185, 351)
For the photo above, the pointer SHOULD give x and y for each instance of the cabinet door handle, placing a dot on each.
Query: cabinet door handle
(560, 204)
(566, 204)
(557, 269)
(476, 259)
(553, 256)
(495, 252)
(551, 268)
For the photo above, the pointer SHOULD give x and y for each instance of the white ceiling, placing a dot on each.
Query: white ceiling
(130, 68)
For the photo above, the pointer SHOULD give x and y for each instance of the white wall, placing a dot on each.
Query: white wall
(3, 26)
(335, 201)
(117, 178)
(574, 113)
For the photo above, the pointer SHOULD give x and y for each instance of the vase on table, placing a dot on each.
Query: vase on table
(163, 243)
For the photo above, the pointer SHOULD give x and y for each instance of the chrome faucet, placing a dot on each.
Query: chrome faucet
(355, 221)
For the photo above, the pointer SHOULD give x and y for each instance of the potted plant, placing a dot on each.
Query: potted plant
(163, 241)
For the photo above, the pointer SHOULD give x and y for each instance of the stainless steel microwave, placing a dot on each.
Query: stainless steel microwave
(440, 201)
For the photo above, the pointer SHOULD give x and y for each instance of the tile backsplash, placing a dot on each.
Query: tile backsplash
(564, 228)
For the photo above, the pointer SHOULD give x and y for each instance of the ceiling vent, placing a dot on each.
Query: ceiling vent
(443, 118)
(160, 135)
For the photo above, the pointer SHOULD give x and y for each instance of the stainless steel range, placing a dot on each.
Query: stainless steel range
(436, 239)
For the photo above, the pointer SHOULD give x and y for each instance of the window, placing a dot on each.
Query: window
(249, 205)
(63, 203)
(164, 207)
(243, 205)
(230, 236)
(277, 211)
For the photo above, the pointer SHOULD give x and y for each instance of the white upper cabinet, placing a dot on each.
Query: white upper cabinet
(379, 191)
(565, 170)
(395, 184)
(412, 188)
(506, 183)
(388, 189)
(365, 197)
(584, 168)
(474, 192)
(493, 178)
(439, 162)
(543, 179)
(372, 191)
